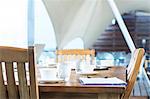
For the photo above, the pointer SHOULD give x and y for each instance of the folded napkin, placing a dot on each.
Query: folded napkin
(102, 81)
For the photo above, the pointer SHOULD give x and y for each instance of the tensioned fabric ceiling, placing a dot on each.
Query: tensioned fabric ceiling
(86, 18)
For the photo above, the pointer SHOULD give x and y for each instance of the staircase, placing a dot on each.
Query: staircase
(138, 24)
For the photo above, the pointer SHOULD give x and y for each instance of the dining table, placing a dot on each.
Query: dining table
(74, 89)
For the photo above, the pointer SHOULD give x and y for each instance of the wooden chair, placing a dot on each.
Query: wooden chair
(132, 72)
(147, 61)
(75, 54)
(11, 57)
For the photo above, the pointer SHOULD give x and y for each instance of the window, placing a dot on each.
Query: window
(13, 23)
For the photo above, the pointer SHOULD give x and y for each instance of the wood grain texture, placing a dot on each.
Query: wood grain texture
(2, 86)
(137, 89)
(12, 54)
(23, 87)
(74, 87)
(108, 96)
(136, 66)
(78, 96)
(34, 92)
(17, 57)
(11, 84)
(142, 88)
(75, 54)
(67, 96)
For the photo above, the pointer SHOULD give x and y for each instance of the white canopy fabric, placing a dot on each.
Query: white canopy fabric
(86, 18)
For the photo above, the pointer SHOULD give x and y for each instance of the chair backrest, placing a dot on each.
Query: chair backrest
(17, 73)
(132, 71)
(75, 54)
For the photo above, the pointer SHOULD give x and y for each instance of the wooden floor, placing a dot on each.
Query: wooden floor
(141, 89)
(139, 97)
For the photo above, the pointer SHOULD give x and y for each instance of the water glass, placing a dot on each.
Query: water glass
(85, 66)
(64, 71)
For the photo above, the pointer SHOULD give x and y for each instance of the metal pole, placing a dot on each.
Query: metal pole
(30, 22)
(122, 25)
(31, 56)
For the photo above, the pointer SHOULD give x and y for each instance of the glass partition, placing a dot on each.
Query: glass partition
(113, 58)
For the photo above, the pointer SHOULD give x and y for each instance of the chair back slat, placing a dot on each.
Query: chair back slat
(138, 56)
(23, 86)
(11, 84)
(75, 54)
(34, 92)
(17, 85)
(2, 86)
(132, 63)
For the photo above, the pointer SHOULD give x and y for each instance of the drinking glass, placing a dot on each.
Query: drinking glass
(64, 71)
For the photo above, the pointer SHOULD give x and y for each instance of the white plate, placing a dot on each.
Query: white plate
(88, 73)
(51, 80)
